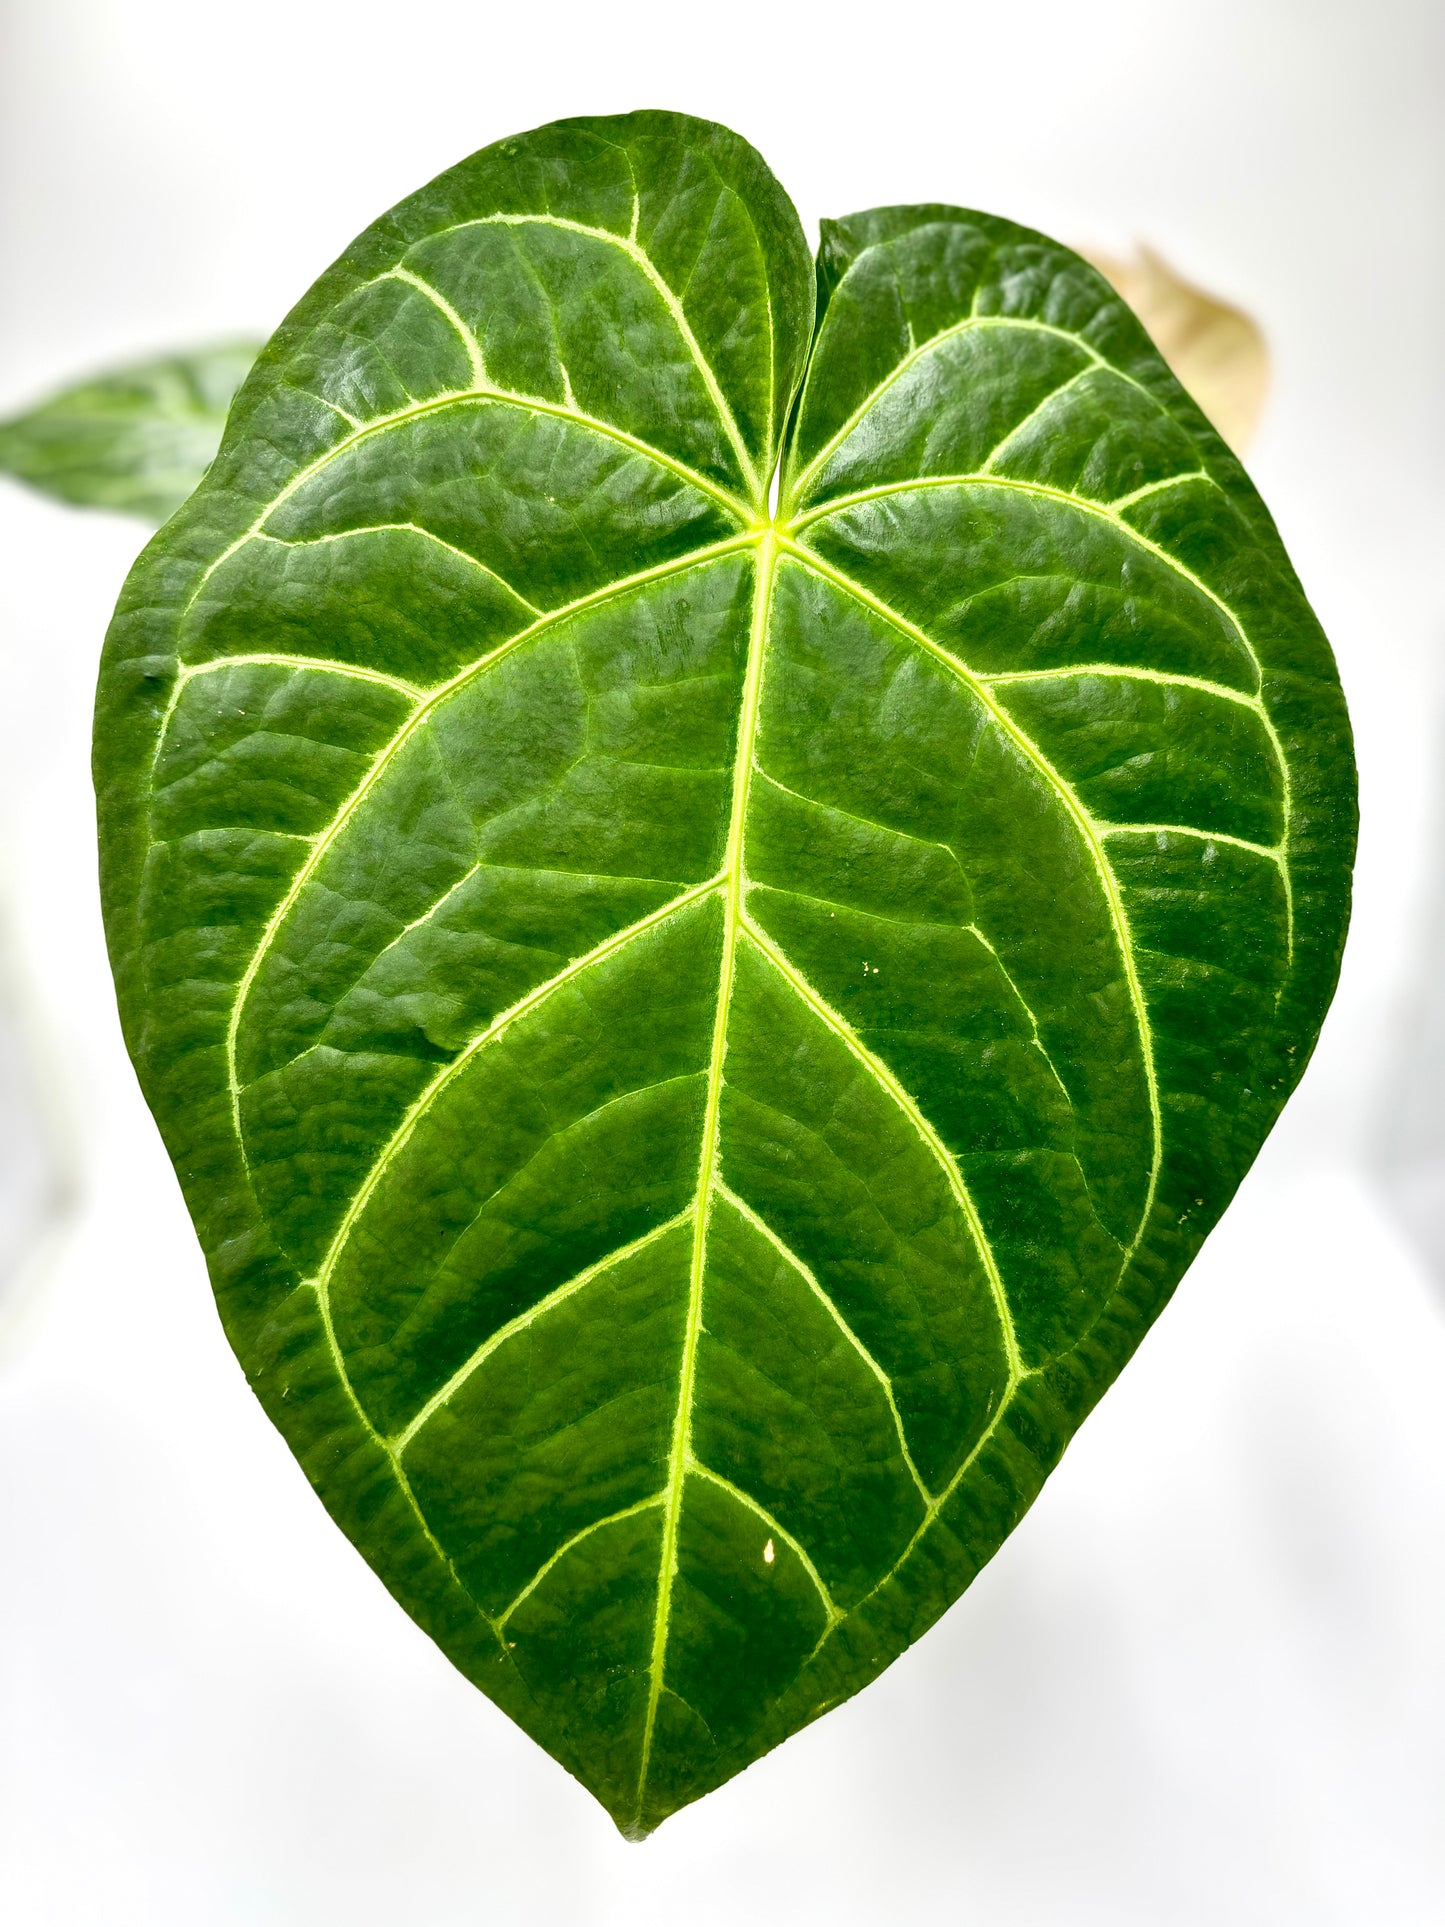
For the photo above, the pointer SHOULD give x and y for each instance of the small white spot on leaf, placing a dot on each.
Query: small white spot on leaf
(768, 1553)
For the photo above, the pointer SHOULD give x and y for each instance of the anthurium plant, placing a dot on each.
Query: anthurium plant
(716, 865)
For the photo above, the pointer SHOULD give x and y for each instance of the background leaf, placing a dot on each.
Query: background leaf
(698, 1041)
(1216, 349)
(137, 439)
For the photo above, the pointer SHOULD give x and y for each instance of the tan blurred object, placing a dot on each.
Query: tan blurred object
(1216, 350)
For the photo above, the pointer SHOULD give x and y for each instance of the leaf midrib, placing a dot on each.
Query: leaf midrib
(764, 565)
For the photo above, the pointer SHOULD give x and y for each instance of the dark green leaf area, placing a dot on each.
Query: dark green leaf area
(454, 886)
(837, 1170)
(744, 1623)
(655, 286)
(1137, 750)
(392, 600)
(892, 741)
(525, 1163)
(1015, 585)
(138, 439)
(698, 1039)
(955, 346)
(540, 299)
(563, 1420)
(1207, 535)
(790, 1404)
(386, 350)
(1213, 927)
(268, 746)
(555, 507)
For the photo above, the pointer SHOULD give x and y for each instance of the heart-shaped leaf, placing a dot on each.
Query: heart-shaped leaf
(697, 1040)
(137, 439)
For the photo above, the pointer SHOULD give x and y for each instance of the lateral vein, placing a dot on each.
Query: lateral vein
(1083, 823)
(426, 1098)
(403, 528)
(970, 323)
(389, 750)
(266, 660)
(809, 1277)
(612, 1519)
(939, 1151)
(795, 1546)
(557, 1296)
(324, 1307)
(1130, 672)
(416, 411)
(1107, 514)
(638, 255)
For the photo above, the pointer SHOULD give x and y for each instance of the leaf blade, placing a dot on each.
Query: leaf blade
(697, 1042)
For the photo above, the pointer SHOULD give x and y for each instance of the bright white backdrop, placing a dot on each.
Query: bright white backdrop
(1206, 1680)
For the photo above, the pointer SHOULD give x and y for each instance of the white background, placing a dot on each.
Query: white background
(1205, 1682)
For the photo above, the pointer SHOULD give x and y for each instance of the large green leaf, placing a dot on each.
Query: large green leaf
(138, 439)
(698, 1040)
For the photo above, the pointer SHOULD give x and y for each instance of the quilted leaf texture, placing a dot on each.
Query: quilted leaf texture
(698, 1036)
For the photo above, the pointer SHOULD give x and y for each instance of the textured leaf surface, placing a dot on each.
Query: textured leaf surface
(137, 440)
(697, 1040)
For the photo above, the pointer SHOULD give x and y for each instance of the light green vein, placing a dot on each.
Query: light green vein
(1122, 502)
(510, 869)
(385, 755)
(345, 415)
(640, 258)
(186, 672)
(908, 1105)
(1165, 678)
(1114, 521)
(558, 1296)
(1271, 852)
(745, 1499)
(1082, 821)
(265, 660)
(1108, 516)
(568, 1545)
(841, 903)
(925, 1524)
(1047, 492)
(482, 397)
(791, 1258)
(852, 816)
(1028, 1009)
(523, 1006)
(1039, 408)
(569, 410)
(732, 873)
(480, 378)
(324, 1307)
(402, 528)
(971, 323)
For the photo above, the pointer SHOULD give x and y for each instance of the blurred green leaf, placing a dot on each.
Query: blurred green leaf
(137, 440)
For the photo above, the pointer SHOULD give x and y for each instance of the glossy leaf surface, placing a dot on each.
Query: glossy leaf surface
(697, 1040)
(137, 440)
